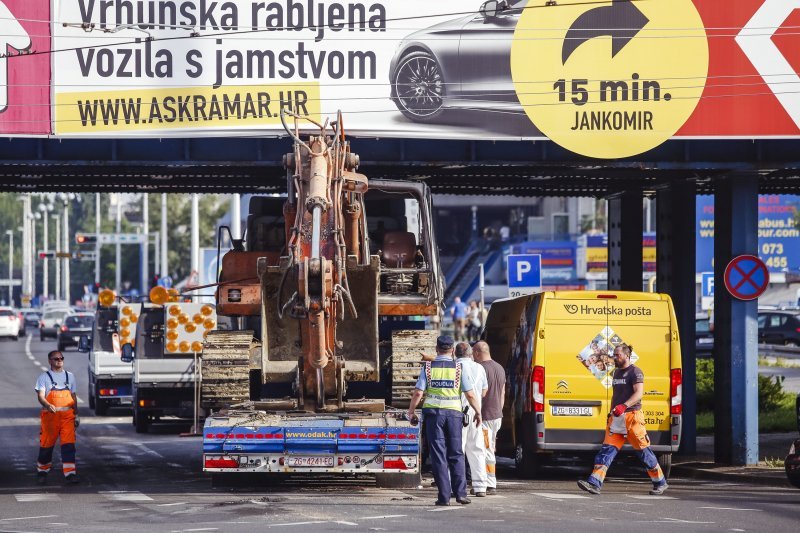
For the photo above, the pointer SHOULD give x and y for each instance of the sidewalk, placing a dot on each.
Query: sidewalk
(772, 447)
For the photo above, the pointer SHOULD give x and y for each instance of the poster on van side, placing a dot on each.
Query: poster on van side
(597, 358)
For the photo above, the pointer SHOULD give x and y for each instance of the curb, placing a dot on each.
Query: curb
(700, 473)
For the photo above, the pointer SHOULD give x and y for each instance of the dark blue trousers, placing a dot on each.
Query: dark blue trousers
(443, 433)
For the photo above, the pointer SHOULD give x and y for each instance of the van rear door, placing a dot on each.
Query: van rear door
(580, 337)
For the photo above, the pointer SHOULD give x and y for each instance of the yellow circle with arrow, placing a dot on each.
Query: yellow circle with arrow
(610, 79)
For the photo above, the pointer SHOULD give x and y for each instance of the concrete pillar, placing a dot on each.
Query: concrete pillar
(118, 255)
(735, 325)
(625, 216)
(675, 275)
(144, 280)
(164, 239)
(65, 240)
(195, 234)
(97, 243)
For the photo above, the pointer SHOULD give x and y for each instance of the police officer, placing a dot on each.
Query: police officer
(625, 422)
(442, 381)
(55, 390)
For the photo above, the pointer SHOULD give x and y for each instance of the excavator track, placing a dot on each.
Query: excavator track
(225, 364)
(407, 347)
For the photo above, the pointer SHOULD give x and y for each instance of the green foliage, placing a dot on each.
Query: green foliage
(770, 391)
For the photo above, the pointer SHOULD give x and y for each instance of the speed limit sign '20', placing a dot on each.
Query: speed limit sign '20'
(610, 79)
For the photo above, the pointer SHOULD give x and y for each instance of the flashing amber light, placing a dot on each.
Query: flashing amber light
(134, 318)
(124, 333)
(172, 323)
(207, 310)
(205, 334)
(172, 335)
(127, 310)
(209, 324)
(197, 319)
(174, 310)
(183, 318)
(197, 346)
(190, 327)
(172, 346)
(106, 298)
(185, 346)
(174, 295)
(125, 322)
(159, 295)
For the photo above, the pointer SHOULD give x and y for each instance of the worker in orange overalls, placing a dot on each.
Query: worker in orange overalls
(55, 390)
(625, 422)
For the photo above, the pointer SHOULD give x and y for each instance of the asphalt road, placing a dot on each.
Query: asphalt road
(153, 482)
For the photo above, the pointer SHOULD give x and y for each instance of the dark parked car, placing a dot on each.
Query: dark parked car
(75, 326)
(779, 327)
(31, 317)
(463, 63)
(703, 337)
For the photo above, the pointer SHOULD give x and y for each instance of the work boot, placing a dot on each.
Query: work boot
(491, 491)
(41, 478)
(464, 500)
(443, 504)
(588, 487)
(659, 490)
(73, 479)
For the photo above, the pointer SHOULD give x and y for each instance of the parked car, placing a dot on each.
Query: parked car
(703, 337)
(31, 317)
(9, 323)
(75, 326)
(51, 323)
(779, 327)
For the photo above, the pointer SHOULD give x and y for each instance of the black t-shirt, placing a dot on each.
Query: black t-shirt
(624, 380)
(496, 377)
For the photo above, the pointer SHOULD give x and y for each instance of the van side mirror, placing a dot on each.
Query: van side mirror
(489, 9)
(127, 353)
(83, 344)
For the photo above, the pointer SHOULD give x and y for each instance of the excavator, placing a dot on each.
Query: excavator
(327, 294)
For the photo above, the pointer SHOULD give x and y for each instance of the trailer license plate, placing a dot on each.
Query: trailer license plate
(311, 462)
(559, 410)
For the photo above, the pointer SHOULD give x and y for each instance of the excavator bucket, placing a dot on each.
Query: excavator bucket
(359, 335)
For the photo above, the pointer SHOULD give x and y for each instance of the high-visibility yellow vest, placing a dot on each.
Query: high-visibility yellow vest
(444, 385)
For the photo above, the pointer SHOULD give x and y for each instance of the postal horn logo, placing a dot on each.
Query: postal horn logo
(571, 308)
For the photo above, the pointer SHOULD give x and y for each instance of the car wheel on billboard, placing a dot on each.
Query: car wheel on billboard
(418, 87)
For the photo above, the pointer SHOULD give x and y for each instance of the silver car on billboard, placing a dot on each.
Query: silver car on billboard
(462, 63)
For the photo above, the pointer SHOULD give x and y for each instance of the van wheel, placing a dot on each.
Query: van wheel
(398, 481)
(665, 461)
(528, 465)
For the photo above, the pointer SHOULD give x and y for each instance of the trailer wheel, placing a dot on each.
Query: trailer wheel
(398, 481)
(140, 421)
(665, 461)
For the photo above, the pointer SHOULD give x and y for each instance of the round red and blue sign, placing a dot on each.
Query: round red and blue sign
(746, 277)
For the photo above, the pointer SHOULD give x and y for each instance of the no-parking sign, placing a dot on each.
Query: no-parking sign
(746, 277)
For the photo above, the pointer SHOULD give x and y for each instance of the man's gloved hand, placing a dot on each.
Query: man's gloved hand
(618, 410)
(77, 422)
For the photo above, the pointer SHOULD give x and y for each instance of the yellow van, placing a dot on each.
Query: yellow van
(556, 348)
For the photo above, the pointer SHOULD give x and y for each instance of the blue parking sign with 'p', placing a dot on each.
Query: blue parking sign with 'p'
(707, 280)
(524, 274)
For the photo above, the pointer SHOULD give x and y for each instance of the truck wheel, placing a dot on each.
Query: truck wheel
(91, 401)
(398, 481)
(140, 421)
(528, 465)
(100, 407)
(665, 461)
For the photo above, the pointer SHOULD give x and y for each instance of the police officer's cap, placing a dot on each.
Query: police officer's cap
(444, 342)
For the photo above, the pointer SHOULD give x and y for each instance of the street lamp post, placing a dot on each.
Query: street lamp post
(45, 209)
(10, 234)
(57, 218)
(65, 239)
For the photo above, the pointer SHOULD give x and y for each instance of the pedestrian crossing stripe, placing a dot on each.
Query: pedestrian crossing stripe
(561, 496)
(126, 496)
(24, 498)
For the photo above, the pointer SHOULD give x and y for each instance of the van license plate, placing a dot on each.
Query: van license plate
(309, 461)
(559, 410)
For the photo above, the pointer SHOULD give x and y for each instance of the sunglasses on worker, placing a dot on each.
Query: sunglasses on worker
(56, 358)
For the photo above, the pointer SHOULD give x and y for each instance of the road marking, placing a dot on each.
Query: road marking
(560, 496)
(287, 524)
(729, 509)
(381, 517)
(650, 497)
(685, 521)
(28, 517)
(37, 498)
(344, 523)
(445, 509)
(195, 529)
(171, 504)
(126, 496)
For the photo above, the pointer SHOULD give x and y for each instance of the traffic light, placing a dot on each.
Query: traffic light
(85, 238)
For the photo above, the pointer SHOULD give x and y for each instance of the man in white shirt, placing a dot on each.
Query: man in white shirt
(472, 441)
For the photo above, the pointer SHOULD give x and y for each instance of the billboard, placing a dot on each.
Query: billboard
(778, 232)
(25, 67)
(411, 68)
(595, 248)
